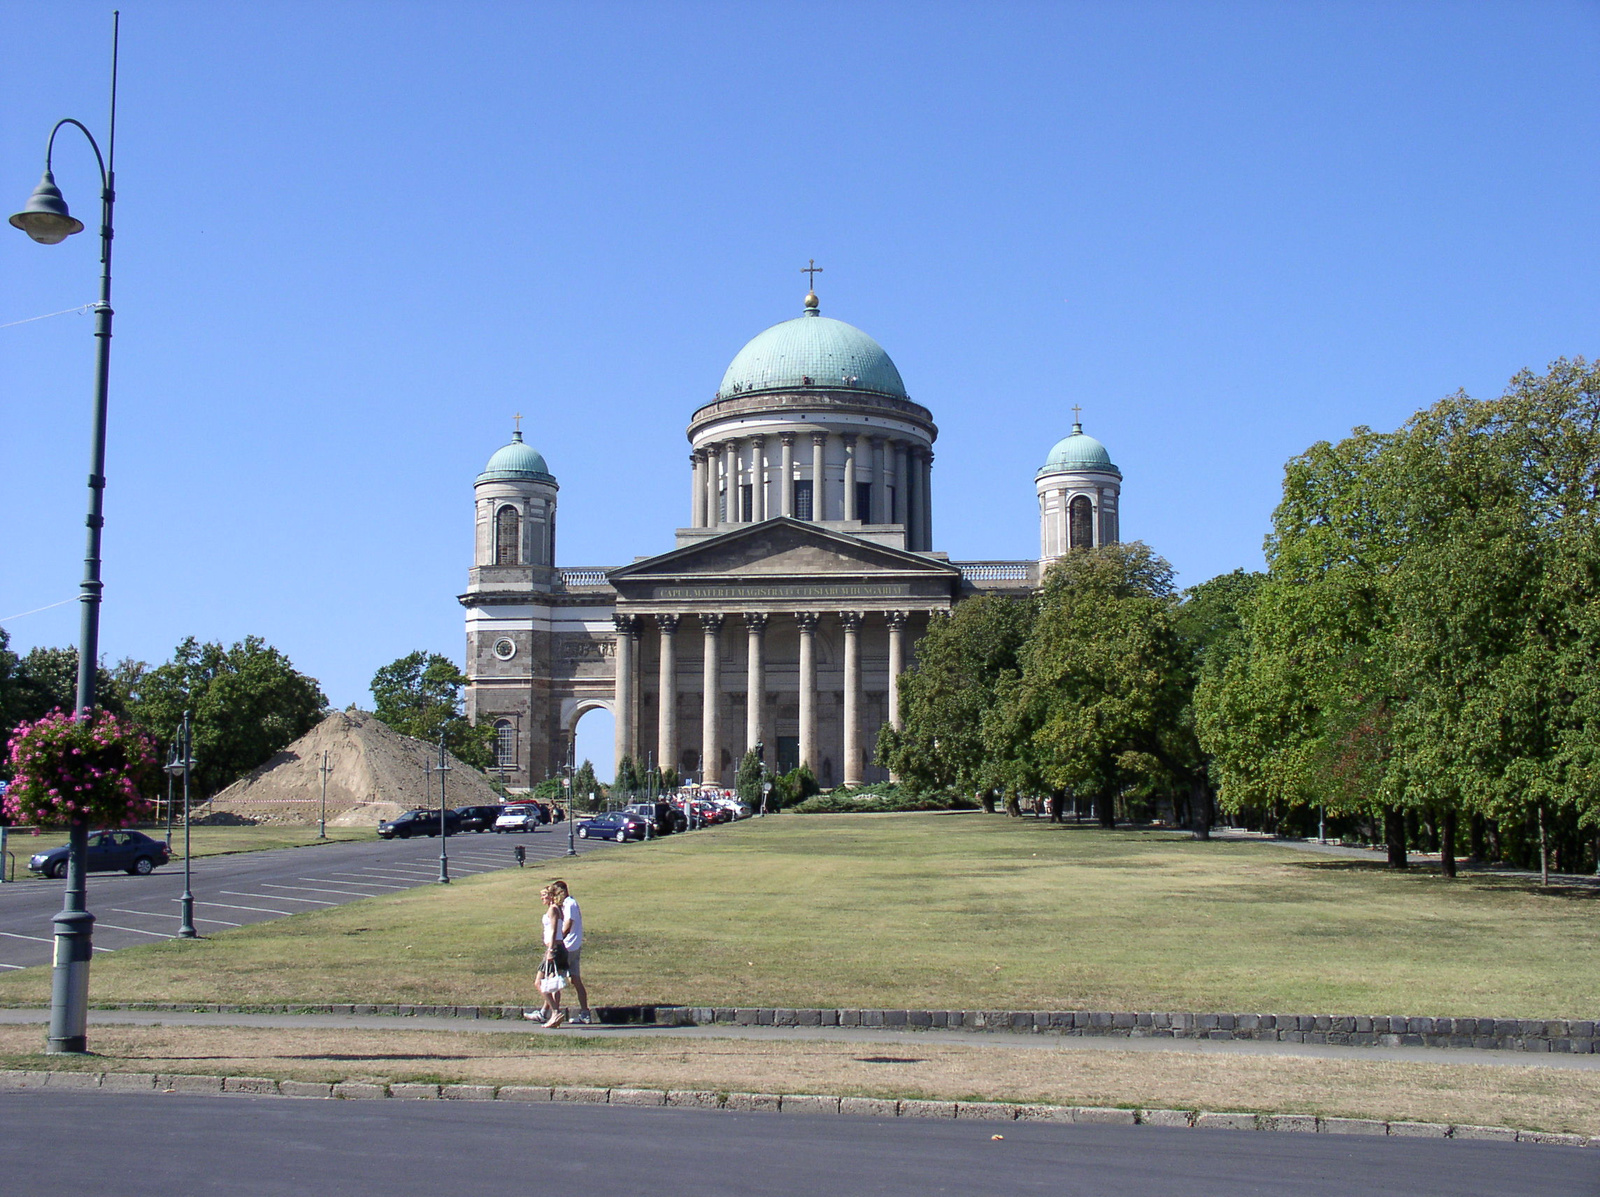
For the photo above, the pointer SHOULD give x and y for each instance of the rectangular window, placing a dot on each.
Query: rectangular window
(864, 502)
(802, 500)
(747, 503)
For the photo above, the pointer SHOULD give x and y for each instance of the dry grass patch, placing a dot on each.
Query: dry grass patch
(1527, 1097)
(922, 911)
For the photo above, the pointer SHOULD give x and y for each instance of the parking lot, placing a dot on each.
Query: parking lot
(253, 887)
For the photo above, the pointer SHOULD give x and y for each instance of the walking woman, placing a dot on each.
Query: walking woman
(551, 1015)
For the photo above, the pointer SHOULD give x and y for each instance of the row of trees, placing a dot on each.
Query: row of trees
(1422, 651)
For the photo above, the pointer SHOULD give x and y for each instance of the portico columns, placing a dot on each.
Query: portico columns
(624, 685)
(730, 481)
(786, 486)
(755, 704)
(807, 621)
(850, 512)
(897, 664)
(819, 476)
(758, 478)
(667, 687)
(711, 457)
(851, 620)
(710, 747)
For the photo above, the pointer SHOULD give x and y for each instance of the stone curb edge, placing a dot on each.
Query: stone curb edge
(772, 1103)
(1567, 1036)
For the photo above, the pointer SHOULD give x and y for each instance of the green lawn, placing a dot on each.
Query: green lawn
(203, 841)
(961, 911)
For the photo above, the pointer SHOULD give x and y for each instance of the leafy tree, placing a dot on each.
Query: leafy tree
(627, 783)
(46, 679)
(420, 695)
(747, 782)
(247, 702)
(549, 790)
(1104, 679)
(586, 788)
(942, 700)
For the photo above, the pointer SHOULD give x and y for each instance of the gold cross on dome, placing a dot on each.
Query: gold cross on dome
(518, 419)
(811, 272)
(1077, 414)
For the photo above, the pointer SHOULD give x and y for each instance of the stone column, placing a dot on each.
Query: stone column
(852, 696)
(807, 621)
(624, 684)
(712, 457)
(667, 686)
(697, 490)
(927, 501)
(786, 482)
(755, 701)
(899, 514)
(914, 498)
(897, 666)
(759, 479)
(880, 481)
(730, 478)
(710, 746)
(819, 476)
(850, 512)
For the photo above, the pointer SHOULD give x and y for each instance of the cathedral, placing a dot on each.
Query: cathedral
(789, 605)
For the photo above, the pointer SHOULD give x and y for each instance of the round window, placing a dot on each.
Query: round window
(505, 648)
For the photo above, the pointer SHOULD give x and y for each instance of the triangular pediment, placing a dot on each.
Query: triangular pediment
(782, 548)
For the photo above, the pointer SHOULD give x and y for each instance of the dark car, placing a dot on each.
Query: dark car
(419, 822)
(663, 819)
(478, 818)
(615, 825)
(132, 851)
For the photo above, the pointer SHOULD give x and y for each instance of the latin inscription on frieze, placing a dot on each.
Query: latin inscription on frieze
(588, 650)
(753, 592)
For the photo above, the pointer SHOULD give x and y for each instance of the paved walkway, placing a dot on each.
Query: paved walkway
(861, 1035)
(1381, 856)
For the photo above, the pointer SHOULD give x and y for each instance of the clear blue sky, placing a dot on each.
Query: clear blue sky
(354, 239)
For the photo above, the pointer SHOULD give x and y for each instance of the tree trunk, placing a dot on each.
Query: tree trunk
(986, 800)
(1447, 843)
(1475, 839)
(1106, 808)
(1544, 851)
(1200, 810)
(1012, 807)
(1394, 832)
(1058, 801)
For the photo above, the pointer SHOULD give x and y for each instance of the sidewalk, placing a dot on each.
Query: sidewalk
(863, 1035)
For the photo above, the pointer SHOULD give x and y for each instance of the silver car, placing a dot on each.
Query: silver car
(519, 817)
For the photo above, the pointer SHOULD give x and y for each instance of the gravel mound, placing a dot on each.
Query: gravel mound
(374, 774)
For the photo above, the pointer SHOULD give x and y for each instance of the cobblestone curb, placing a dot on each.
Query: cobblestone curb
(776, 1103)
(1579, 1036)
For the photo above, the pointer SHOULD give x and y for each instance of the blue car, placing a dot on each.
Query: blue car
(132, 851)
(616, 825)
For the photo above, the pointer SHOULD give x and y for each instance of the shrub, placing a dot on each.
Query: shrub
(882, 798)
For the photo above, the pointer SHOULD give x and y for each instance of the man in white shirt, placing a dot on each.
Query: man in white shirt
(572, 940)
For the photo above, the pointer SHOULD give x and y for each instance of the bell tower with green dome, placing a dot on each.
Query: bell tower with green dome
(1078, 490)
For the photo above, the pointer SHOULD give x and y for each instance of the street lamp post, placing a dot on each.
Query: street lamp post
(176, 767)
(572, 844)
(444, 856)
(47, 220)
(322, 819)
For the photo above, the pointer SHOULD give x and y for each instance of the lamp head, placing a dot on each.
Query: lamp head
(46, 218)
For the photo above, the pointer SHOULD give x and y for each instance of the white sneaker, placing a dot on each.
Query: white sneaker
(584, 1017)
(534, 1015)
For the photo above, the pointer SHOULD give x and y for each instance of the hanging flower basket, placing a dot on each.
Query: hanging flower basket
(97, 768)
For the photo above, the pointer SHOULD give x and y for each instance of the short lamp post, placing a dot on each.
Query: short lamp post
(47, 220)
(572, 843)
(322, 819)
(444, 855)
(181, 768)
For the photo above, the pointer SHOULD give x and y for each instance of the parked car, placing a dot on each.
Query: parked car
(478, 818)
(660, 815)
(132, 851)
(419, 822)
(614, 825)
(521, 816)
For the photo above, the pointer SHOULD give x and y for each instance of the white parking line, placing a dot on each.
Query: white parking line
(155, 914)
(12, 966)
(35, 938)
(231, 906)
(379, 884)
(312, 889)
(276, 897)
(135, 930)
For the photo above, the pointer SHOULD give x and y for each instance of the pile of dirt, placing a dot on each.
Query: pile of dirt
(374, 773)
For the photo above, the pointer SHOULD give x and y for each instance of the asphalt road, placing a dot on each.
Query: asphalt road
(129, 1145)
(254, 887)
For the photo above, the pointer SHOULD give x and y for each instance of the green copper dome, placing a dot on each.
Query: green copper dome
(1078, 452)
(812, 351)
(516, 462)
